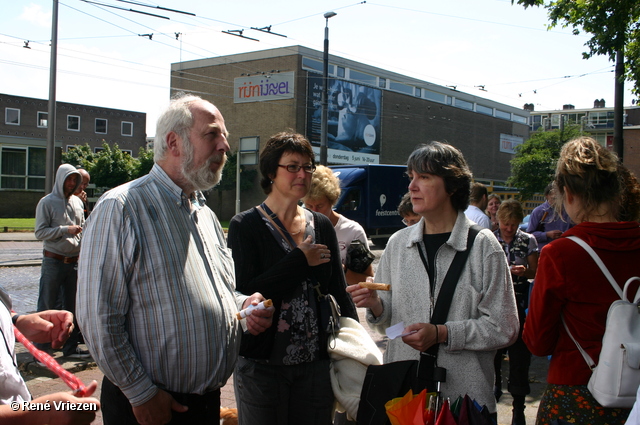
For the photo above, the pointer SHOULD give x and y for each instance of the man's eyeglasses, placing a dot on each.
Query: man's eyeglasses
(294, 168)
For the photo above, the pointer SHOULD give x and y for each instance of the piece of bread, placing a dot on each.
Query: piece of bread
(376, 286)
(244, 313)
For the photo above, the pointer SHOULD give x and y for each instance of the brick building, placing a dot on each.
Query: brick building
(23, 141)
(375, 116)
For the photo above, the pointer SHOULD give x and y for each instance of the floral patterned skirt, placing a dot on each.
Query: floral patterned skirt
(574, 404)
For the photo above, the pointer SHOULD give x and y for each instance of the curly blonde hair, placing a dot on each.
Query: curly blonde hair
(596, 176)
(324, 183)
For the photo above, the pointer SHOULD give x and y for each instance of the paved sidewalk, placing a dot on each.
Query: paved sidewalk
(18, 249)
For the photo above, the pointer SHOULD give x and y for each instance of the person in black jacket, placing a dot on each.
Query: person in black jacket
(291, 256)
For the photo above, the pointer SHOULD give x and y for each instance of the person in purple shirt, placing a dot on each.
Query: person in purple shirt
(545, 223)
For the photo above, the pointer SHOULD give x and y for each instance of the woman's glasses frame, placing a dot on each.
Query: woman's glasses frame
(294, 168)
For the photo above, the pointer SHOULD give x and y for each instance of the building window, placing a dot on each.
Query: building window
(340, 72)
(362, 77)
(127, 128)
(97, 150)
(73, 123)
(502, 114)
(484, 110)
(601, 119)
(128, 152)
(311, 64)
(101, 126)
(382, 83)
(519, 119)
(437, 97)
(463, 104)
(402, 88)
(418, 92)
(12, 116)
(22, 168)
(43, 119)
(535, 122)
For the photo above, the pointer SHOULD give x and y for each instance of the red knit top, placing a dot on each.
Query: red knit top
(568, 282)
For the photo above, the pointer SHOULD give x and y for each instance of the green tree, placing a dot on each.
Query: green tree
(144, 162)
(613, 25)
(111, 167)
(615, 32)
(228, 182)
(79, 155)
(534, 165)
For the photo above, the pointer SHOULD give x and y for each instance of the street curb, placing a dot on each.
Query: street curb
(26, 363)
(28, 263)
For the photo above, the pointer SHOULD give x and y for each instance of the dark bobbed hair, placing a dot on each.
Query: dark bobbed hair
(277, 145)
(446, 161)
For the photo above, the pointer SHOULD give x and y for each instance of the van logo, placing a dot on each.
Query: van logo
(383, 199)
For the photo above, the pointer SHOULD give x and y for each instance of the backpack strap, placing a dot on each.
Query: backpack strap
(612, 281)
(587, 358)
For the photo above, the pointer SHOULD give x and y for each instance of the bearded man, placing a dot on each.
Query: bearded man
(156, 296)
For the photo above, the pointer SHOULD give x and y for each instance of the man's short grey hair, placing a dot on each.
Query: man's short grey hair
(177, 118)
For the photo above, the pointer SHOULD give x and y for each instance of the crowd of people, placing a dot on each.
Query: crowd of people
(158, 284)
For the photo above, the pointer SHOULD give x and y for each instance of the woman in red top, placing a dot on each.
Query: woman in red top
(603, 199)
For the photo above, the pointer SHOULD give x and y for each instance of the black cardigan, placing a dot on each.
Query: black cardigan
(262, 266)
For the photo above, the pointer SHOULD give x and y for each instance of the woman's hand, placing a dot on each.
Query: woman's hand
(368, 298)
(518, 270)
(316, 254)
(425, 336)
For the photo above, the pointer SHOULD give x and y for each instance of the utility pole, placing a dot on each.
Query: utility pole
(618, 106)
(325, 90)
(51, 115)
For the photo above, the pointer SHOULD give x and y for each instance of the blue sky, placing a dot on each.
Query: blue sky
(104, 58)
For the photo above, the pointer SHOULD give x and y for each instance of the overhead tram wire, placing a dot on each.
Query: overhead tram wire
(157, 7)
(200, 17)
(127, 10)
(145, 26)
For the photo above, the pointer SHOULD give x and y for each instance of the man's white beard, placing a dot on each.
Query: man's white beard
(202, 178)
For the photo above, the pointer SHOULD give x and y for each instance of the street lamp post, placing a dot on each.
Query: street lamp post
(325, 90)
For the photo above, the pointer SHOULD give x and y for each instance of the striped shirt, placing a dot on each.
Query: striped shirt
(156, 290)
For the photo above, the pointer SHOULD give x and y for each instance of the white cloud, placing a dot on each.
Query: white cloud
(34, 14)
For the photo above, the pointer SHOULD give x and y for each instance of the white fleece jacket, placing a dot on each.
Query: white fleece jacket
(482, 317)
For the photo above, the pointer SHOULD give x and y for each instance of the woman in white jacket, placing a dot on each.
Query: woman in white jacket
(482, 317)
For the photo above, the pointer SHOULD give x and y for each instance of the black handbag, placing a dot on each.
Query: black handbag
(358, 257)
(385, 382)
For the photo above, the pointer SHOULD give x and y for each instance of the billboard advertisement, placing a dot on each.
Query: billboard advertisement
(260, 88)
(508, 143)
(353, 121)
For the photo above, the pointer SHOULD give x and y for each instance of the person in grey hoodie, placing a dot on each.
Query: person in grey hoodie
(59, 222)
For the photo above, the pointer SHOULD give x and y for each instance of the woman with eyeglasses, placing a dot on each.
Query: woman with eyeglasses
(291, 256)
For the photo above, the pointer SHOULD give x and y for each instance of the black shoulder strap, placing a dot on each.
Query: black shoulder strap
(428, 371)
(441, 310)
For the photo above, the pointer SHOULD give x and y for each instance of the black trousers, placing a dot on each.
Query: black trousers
(203, 409)
(519, 361)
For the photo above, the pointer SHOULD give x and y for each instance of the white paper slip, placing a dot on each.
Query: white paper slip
(395, 331)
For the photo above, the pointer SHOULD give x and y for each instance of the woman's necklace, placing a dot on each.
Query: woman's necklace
(300, 229)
